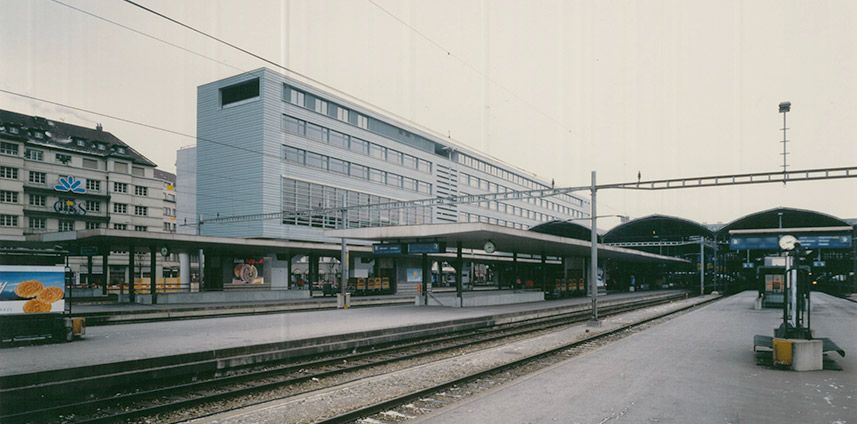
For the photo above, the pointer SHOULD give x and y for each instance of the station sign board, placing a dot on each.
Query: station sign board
(819, 264)
(748, 265)
(31, 289)
(807, 241)
(432, 247)
(386, 249)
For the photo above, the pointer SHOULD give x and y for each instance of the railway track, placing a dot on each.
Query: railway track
(166, 396)
(382, 410)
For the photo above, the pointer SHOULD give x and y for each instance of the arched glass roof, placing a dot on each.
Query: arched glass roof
(656, 228)
(785, 217)
(561, 228)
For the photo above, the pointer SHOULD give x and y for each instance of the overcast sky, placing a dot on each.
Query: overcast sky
(667, 88)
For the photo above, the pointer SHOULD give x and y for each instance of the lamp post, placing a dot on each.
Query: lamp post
(785, 107)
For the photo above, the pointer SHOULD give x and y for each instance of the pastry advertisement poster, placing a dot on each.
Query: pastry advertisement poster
(248, 271)
(31, 289)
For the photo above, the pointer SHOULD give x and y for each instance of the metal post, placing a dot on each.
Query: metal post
(89, 271)
(701, 266)
(153, 273)
(131, 291)
(425, 279)
(515, 267)
(544, 272)
(105, 270)
(343, 260)
(459, 264)
(593, 265)
(289, 271)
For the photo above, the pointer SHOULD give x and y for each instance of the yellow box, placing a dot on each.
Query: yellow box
(78, 326)
(782, 352)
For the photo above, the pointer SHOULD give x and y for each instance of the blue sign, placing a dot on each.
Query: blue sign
(70, 184)
(435, 247)
(386, 249)
(767, 242)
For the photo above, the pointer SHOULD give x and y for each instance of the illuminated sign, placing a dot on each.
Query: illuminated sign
(70, 184)
(387, 249)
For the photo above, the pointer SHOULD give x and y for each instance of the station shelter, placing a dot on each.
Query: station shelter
(511, 258)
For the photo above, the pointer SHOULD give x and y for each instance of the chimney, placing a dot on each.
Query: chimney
(98, 126)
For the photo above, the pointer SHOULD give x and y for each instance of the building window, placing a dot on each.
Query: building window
(120, 208)
(37, 177)
(38, 200)
(141, 191)
(424, 166)
(8, 197)
(394, 157)
(93, 185)
(8, 172)
(377, 176)
(36, 223)
(8, 220)
(138, 171)
(34, 154)
(342, 113)
(93, 206)
(141, 211)
(293, 155)
(321, 106)
(120, 226)
(359, 146)
(338, 139)
(120, 167)
(92, 226)
(90, 163)
(120, 187)
(63, 158)
(377, 152)
(8, 148)
(66, 225)
(362, 122)
(239, 92)
(338, 166)
(296, 97)
(141, 228)
(293, 125)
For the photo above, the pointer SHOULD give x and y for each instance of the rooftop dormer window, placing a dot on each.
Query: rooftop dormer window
(38, 135)
(14, 130)
(101, 146)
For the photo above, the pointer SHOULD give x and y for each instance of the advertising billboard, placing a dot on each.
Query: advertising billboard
(248, 271)
(31, 289)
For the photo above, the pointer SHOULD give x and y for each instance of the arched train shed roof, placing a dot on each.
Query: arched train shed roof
(656, 227)
(791, 218)
(561, 228)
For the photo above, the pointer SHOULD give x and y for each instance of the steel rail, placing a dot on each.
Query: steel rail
(472, 337)
(375, 408)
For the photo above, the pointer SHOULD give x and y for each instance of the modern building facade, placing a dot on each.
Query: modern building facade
(267, 143)
(60, 177)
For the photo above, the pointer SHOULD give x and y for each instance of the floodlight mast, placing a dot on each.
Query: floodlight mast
(785, 107)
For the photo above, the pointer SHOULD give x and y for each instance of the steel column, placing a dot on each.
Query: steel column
(593, 262)
(153, 273)
(459, 264)
(131, 291)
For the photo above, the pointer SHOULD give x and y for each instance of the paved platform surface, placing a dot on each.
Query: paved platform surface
(123, 342)
(697, 368)
(111, 313)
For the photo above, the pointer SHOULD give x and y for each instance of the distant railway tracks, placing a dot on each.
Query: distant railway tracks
(189, 395)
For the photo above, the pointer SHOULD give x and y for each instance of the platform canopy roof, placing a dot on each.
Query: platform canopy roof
(510, 240)
(120, 240)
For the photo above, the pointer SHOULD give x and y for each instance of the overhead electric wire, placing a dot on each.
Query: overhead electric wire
(136, 31)
(468, 65)
(315, 81)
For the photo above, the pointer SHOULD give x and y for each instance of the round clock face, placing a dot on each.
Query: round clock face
(165, 251)
(489, 247)
(787, 242)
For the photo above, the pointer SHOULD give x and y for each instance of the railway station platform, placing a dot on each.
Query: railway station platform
(699, 368)
(174, 342)
(118, 313)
